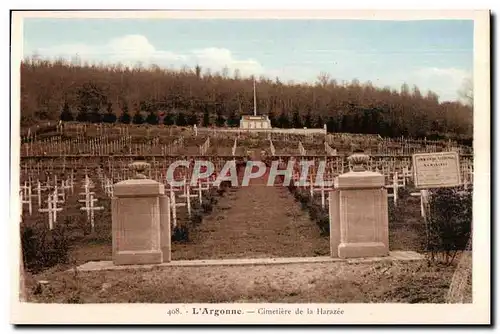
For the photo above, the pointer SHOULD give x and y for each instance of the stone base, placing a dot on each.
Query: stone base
(365, 249)
(167, 256)
(137, 257)
(394, 256)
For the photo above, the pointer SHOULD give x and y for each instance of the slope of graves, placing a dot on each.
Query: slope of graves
(67, 177)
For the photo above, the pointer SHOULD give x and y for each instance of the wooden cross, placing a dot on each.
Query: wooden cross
(324, 189)
(26, 196)
(90, 208)
(187, 195)
(59, 192)
(88, 195)
(200, 188)
(407, 173)
(394, 186)
(65, 185)
(39, 189)
(51, 209)
(108, 187)
(87, 183)
(173, 208)
(424, 201)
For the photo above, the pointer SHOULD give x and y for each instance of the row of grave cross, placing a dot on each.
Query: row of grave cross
(322, 187)
(394, 182)
(55, 187)
(58, 188)
(56, 196)
(187, 195)
(99, 146)
(105, 146)
(187, 192)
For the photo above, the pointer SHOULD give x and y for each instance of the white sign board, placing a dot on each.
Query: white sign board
(436, 170)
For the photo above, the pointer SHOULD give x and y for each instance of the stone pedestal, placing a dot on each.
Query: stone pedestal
(334, 213)
(165, 232)
(359, 215)
(141, 222)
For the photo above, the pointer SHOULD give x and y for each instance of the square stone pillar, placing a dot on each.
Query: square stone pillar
(165, 233)
(140, 222)
(334, 213)
(359, 220)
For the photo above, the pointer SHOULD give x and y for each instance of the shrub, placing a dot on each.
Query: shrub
(207, 206)
(224, 186)
(317, 213)
(404, 193)
(321, 217)
(449, 223)
(213, 195)
(43, 248)
(180, 233)
(196, 214)
(396, 213)
(304, 200)
(314, 211)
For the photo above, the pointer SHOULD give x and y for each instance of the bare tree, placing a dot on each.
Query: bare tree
(466, 92)
(46, 86)
(323, 79)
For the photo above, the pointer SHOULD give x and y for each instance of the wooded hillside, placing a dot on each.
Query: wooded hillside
(103, 93)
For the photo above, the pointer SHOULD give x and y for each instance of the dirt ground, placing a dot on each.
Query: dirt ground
(293, 283)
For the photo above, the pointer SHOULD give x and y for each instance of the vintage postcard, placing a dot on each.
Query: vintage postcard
(250, 167)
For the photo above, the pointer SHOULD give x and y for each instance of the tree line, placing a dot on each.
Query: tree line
(57, 89)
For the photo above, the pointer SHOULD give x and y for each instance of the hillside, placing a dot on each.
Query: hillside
(93, 92)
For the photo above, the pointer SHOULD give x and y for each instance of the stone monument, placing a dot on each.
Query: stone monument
(359, 222)
(140, 220)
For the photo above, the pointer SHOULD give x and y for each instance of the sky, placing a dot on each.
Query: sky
(434, 55)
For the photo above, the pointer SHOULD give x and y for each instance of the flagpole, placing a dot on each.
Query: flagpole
(254, 99)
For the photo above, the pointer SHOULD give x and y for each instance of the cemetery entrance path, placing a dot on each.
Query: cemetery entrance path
(254, 221)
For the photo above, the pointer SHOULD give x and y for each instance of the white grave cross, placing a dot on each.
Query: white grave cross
(424, 201)
(90, 208)
(108, 187)
(26, 196)
(52, 209)
(186, 194)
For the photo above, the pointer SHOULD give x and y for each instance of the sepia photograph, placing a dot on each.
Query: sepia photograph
(250, 167)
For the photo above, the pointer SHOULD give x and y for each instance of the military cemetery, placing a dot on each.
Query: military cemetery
(144, 185)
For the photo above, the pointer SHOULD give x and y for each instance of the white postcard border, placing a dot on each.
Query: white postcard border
(477, 312)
